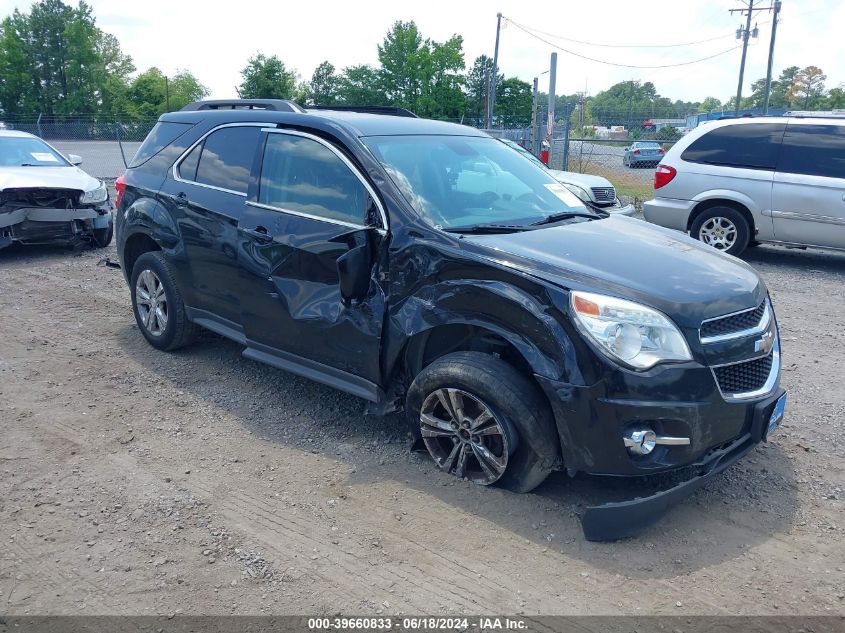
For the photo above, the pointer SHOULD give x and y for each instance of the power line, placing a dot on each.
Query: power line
(573, 40)
(604, 61)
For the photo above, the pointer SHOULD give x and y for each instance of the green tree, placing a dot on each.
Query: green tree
(835, 99)
(442, 81)
(513, 103)
(266, 78)
(710, 104)
(807, 89)
(148, 95)
(324, 86)
(401, 59)
(359, 85)
(54, 60)
(630, 103)
(18, 94)
(476, 88)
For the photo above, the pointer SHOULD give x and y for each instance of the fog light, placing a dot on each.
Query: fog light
(640, 441)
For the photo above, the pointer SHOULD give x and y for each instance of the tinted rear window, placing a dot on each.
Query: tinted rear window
(162, 135)
(226, 158)
(752, 145)
(815, 150)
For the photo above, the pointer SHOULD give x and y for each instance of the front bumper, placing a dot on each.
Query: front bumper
(612, 521)
(42, 225)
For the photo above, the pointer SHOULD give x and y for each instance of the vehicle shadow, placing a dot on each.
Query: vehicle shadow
(801, 260)
(739, 509)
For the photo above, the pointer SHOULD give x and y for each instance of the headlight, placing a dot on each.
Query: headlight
(634, 334)
(578, 191)
(95, 196)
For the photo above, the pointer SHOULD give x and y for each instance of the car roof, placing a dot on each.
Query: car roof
(748, 120)
(16, 133)
(357, 123)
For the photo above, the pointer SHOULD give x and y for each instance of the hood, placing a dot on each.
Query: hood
(631, 259)
(585, 181)
(63, 177)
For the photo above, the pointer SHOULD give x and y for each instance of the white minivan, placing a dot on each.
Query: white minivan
(738, 182)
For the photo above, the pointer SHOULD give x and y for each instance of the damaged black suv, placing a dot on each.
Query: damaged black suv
(425, 266)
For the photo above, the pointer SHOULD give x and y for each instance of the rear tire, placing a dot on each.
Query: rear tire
(157, 303)
(724, 228)
(515, 446)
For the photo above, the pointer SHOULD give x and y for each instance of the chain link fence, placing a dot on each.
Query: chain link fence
(104, 146)
(107, 145)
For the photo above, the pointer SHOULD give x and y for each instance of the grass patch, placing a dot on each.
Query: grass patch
(635, 184)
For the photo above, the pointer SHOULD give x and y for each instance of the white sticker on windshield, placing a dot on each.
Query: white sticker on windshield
(564, 194)
(44, 157)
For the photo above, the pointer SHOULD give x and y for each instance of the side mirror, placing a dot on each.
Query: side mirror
(74, 159)
(353, 271)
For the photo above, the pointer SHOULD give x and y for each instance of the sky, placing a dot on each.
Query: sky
(214, 39)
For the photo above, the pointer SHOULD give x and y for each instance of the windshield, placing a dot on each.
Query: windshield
(519, 148)
(457, 181)
(647, 145)
(27, 151)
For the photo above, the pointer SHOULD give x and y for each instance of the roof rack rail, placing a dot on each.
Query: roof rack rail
(387, 110)
(819, 114)
(273, 105)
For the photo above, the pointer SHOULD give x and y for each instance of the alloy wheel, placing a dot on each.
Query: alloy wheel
(151, 302)
(464, 437)
(718, 232)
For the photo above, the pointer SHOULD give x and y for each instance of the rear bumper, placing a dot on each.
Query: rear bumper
(668, 212)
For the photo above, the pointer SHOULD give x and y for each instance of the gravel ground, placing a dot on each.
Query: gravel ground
(138, 482)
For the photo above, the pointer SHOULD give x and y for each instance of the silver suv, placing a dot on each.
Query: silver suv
(735, 183)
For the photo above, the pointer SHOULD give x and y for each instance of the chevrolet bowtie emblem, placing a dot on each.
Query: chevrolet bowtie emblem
(765, 343)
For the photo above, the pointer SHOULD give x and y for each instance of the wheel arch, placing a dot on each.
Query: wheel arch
(136, 245)
(740, 203)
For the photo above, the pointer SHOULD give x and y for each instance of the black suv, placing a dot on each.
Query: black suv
(425, 266)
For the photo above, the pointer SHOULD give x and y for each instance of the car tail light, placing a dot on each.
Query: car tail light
(636, 151)
(660, 150)
(663, 175)
(120, 187)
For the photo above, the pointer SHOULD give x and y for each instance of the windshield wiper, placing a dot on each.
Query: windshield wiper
(566, 215)
(487, 228)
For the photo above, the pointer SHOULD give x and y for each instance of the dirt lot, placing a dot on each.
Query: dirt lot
(133, 481)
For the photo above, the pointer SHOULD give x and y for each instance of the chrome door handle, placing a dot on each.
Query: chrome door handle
(259, 234)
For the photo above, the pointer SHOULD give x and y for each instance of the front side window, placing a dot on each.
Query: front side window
(814, 150)
(28, 151)
(461, 181)
(225, 160)
(302, 175)
(751, 145)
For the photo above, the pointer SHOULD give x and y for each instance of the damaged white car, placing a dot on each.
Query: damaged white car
(46, 199)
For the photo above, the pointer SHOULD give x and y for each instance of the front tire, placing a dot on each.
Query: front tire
(723, 228)
(482, 420)
(103, 237)
(158, 305)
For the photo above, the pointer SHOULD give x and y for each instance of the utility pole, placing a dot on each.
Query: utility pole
(486, 98)
(167, 93)
(776, 6)
(534, 119)
(745, 34)
(495, 71)
(550, 128)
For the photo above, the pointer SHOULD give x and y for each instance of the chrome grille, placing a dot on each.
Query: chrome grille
(745, 377)
(604, 194)
(733, 323)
